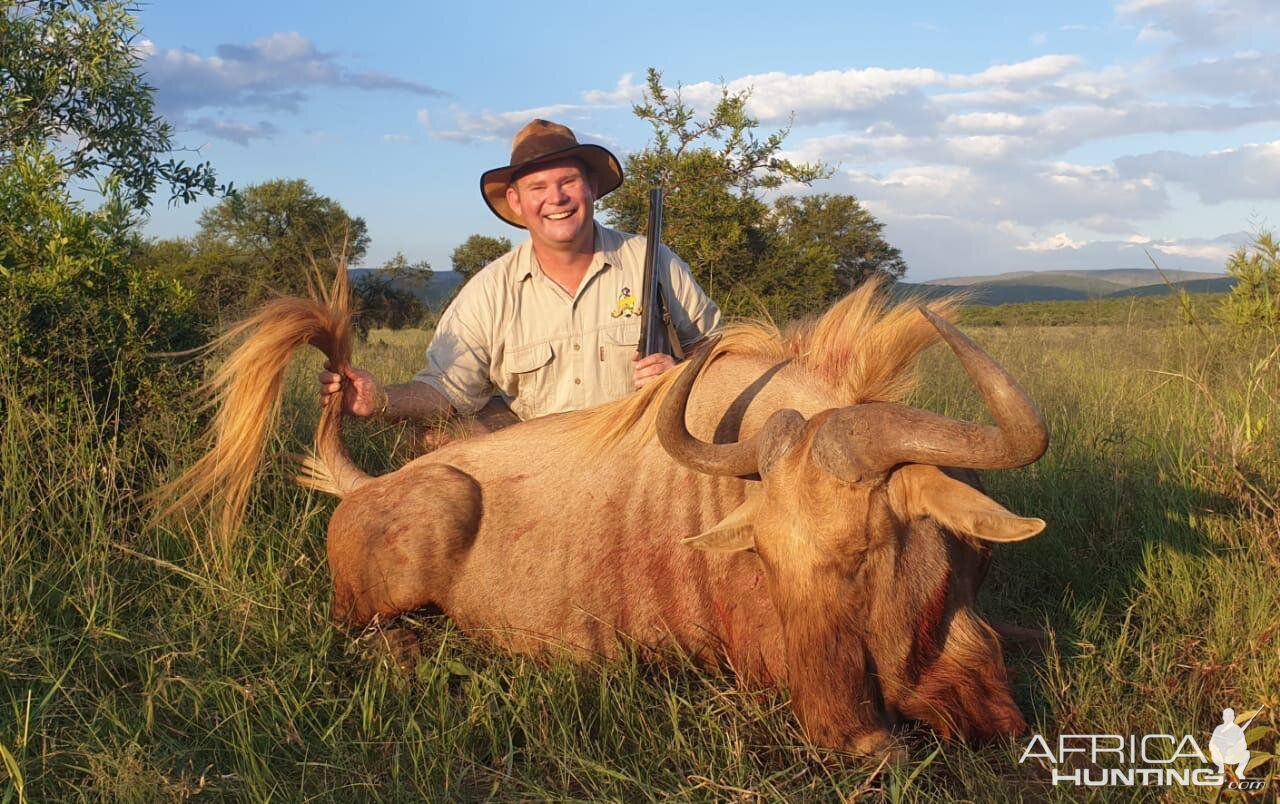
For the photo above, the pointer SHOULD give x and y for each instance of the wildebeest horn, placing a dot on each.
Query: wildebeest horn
(736, 459)
(869, 439)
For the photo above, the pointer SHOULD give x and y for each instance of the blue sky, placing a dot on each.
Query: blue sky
(987, 136)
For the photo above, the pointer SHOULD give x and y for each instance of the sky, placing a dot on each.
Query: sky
(988, 137)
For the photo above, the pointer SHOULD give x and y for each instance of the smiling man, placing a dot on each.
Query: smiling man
(552, 325)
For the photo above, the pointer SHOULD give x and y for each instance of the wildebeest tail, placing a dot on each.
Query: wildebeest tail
(245, 395)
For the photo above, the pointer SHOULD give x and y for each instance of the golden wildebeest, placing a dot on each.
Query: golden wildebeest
(835, 557)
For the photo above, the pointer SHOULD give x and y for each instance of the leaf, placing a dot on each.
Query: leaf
(15, 772)
(1258, 760)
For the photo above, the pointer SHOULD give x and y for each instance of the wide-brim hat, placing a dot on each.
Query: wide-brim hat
(544, 141)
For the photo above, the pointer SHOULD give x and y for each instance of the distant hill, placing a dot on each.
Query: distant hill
(437, 292)
(1219, 284)
(1031, 286)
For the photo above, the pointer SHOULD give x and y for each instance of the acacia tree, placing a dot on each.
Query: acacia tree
(476, 252)
(795, 255)
(833, 240)
(265, 237)
(391, 296)
(70, 78)
(712, 170)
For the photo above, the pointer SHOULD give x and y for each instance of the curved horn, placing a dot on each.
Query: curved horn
(736, 459)
(869, 439)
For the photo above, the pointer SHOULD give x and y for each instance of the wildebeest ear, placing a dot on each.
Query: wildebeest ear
(735, 532)
(918, 491)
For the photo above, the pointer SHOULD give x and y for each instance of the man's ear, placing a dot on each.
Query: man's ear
(733, 533)
(513, 199)
(918, 491)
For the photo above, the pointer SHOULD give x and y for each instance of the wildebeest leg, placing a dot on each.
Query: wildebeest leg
(394, 543)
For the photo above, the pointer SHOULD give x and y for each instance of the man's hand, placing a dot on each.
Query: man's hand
(648, 369)
(361, 394)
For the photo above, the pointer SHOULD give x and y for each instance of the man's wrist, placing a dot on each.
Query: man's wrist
(382, 402)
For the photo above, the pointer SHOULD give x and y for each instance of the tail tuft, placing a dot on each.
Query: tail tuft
(313, 473)
(245, 395)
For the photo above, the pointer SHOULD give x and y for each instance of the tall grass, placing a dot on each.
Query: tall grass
(131, 669)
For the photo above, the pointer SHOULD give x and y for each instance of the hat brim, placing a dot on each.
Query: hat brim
(603, 165)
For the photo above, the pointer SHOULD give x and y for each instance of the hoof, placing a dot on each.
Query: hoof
(878, 744)
(403, 647)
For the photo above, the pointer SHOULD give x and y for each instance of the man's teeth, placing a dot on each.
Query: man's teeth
(559, 216)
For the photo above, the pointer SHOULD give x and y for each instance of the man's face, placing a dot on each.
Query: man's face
(556, 203)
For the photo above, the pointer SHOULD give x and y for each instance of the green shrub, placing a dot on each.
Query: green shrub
(1255, 300)
(77, 316)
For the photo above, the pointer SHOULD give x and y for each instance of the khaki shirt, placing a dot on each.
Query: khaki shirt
(513, 330)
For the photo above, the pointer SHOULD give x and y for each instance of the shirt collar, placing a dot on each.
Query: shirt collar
(606, 254)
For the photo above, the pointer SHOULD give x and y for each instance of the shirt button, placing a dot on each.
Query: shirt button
(577, 381)
(576, 347)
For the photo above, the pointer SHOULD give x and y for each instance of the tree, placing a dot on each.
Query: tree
(266, 236)
(712, 171)
(391, 296)
(476, 252)
(830, 244)
(70, 78)
(715, 172)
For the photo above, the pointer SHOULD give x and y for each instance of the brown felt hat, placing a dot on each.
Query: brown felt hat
(544, 141)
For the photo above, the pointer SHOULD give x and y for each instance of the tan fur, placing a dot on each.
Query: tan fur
(564, 533)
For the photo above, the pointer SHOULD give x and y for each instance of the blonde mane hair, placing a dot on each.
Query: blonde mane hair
(864, 348)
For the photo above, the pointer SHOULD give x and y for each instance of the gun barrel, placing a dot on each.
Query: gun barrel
(653, 333)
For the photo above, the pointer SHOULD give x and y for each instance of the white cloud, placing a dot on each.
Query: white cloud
(1197, 24)
(985, 121)
(816, 96)
(1054, 243)
(486, 126)
(1247, 172)
(626, 91)
(1215, 252)
(1038, 69)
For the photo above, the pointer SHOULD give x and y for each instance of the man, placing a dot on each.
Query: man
(551, 325)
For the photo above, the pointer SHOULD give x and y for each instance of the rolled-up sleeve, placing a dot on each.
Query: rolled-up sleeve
(693, 313)
(458, 358)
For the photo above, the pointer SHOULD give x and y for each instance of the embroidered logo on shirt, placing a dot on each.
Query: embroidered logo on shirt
(626, 305)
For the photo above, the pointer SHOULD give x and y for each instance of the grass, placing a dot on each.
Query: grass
(1144, 311)
(134, 668)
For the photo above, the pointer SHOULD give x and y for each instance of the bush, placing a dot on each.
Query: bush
(79, 317)
(1255, 300)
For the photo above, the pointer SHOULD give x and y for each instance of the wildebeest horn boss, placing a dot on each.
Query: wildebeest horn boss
(837, 557)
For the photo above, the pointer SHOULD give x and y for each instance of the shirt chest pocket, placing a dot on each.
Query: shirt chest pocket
(617, 350)
(531, 368)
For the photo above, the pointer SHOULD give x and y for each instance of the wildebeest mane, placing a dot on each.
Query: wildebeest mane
(864, 349)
